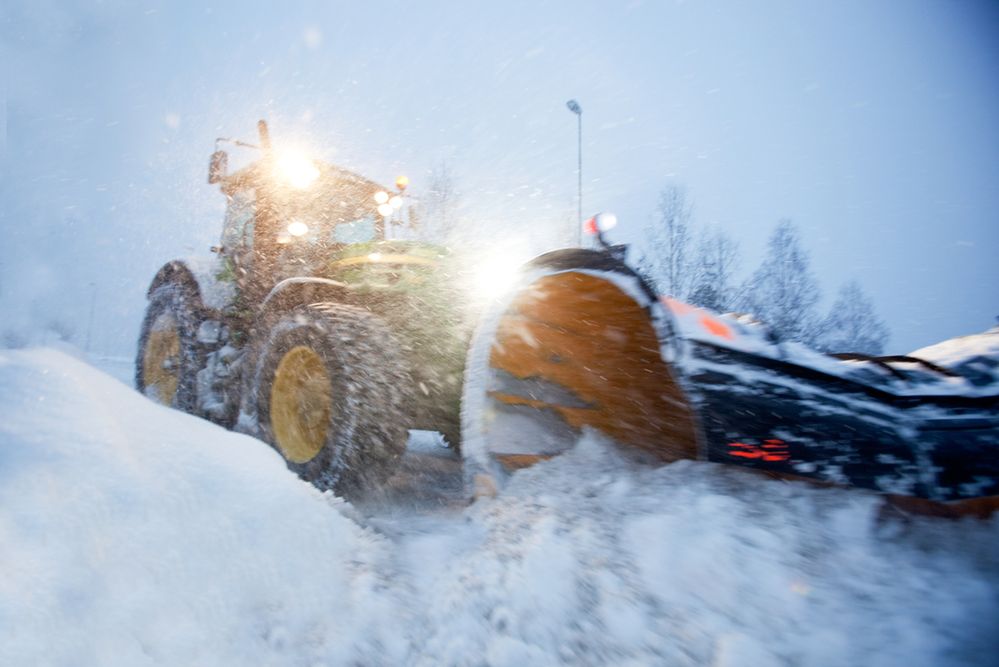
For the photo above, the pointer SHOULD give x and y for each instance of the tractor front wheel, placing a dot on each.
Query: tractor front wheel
(332, 396)
(169, 356)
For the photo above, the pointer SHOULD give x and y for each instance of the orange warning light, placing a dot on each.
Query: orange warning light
(717, 328)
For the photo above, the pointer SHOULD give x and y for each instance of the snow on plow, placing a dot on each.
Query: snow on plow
(584, 342)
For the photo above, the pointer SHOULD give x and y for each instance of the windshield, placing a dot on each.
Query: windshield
(355, 231)
(333, 211)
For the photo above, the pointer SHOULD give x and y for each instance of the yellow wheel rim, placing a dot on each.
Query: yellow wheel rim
(301, 404)
(161, 361)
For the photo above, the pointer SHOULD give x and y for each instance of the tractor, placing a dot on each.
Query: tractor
(315, 331)
(310, 328)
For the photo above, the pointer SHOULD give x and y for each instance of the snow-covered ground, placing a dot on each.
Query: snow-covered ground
(131, 534)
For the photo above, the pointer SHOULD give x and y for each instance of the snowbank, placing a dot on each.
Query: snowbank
(137, 535)
(134, 535)
(976, 356)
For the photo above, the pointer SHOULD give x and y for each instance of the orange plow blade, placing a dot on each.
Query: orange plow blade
(573, 350)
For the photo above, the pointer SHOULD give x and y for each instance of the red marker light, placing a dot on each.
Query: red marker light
(771, 451)
(601, 222)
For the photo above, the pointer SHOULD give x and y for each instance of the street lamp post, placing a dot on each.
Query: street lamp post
(574, 107)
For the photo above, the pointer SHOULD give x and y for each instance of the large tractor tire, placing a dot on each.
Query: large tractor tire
(331, 392)
(169, 356)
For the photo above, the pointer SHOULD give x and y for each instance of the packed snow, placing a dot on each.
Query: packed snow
(976, 356)
(973, 360)
(133, 535)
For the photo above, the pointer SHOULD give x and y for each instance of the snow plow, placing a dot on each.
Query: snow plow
(315, 331)
(583, 342)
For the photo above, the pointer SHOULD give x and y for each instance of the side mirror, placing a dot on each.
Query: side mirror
(218, 166)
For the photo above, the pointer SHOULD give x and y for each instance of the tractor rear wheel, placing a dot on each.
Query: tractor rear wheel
(332, 396)
(169, 356)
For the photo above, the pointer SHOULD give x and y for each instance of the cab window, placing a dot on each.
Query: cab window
(355, 231)
(237, 230)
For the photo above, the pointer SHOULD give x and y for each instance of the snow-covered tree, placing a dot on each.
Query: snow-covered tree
(667, 261)
(852, 325)
(782, 292)
(713, 271)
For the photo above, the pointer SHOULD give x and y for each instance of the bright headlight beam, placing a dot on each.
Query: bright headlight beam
(298, 228)
(494, 276)
(297, 169)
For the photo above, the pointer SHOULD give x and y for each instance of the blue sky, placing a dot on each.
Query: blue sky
(871, 125)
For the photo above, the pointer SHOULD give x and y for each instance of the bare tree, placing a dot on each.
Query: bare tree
(668, 262)
(852, 325)
(61, 329)
(782, 292)
(713, 272)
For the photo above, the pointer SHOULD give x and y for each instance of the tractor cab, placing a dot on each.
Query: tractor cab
(287, 212)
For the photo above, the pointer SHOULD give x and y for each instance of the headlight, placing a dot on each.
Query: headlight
(494, 276)
(600, 223)
(297, 169)
(298, 228)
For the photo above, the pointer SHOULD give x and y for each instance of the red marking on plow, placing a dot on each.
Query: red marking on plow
(771, 451)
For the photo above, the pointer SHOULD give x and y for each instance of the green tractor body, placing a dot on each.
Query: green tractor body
(311, 328)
